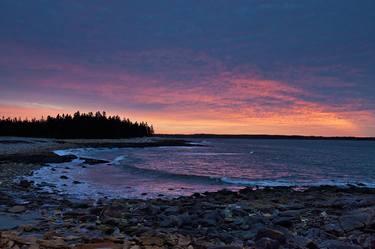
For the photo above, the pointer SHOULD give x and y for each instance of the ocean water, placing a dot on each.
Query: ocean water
(217, 164)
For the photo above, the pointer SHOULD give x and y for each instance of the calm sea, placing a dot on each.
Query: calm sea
(219, 163)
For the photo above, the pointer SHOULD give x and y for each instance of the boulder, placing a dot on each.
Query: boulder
(148, 240)
(271, 234)
(267, 243)
(55, 244)
(25, 183)
(354, 220)
(17, 209)
(284, 221)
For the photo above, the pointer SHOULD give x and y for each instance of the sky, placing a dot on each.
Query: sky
(213, 66)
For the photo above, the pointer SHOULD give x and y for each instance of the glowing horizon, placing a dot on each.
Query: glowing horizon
(293, 68)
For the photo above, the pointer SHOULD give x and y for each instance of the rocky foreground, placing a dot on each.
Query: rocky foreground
(321, 217)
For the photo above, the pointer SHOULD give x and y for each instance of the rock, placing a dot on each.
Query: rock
(311, 245)
(96, 211)
(371, 242)
(25, 183)
(334, 229)
(172, 210)
(18, 239)
(17, 209)
(55, 243)
(127, 244)
(272, 234)
(89, 218)
(284, 221)
(336, 244)
(10, 243)
(50, 235)
(92, 161)
(224, 247)
(267, 243)
(154, 247)
(71, 238)
(184, 220)
(135, 247)
(101, 245)
(168, 221)
(183, 240)
(255, 220)
(227, 238)
(80, 204)
(210, 219)
(354, 220)
(178, 240)
(151, 240)
(245, 235)
(115, 212)
(105, 229)
(28, 228)
(318, 234)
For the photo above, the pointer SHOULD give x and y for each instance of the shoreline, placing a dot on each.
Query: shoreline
(269, 217)
(20, 156)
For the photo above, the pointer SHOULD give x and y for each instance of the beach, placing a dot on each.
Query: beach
(247, 217)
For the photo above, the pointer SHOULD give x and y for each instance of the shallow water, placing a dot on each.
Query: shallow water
(229, 163)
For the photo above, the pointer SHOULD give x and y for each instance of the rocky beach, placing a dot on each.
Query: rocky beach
(257, 217)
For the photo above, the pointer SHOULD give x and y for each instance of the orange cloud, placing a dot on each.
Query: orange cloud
(207, 99)
(31, 111)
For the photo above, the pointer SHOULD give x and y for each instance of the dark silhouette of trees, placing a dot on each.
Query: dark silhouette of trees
(80, 125)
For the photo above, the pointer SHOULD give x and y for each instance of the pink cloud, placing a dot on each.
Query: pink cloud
(200, 95)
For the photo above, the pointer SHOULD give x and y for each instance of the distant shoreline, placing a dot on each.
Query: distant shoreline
(264, 136)
(238, 136)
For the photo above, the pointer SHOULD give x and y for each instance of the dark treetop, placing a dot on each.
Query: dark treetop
(85, 125)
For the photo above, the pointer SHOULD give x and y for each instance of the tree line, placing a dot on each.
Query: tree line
(78, 125)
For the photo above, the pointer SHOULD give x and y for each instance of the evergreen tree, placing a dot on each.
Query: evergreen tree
(85, 125)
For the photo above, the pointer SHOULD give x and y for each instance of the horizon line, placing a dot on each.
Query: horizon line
(266, 136)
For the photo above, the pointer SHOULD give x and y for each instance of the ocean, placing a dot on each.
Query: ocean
(215, 164)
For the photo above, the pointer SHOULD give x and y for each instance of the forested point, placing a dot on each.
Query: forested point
(78, 125)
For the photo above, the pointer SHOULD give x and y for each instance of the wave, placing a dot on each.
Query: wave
(210, 153)
(127, 164)
(203, 142)
(117, 160)
(170, 175)
(233, 181)
(83, 152)
(229, 181)
(290, 183)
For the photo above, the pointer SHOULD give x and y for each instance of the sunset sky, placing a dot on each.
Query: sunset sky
(254, 67)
